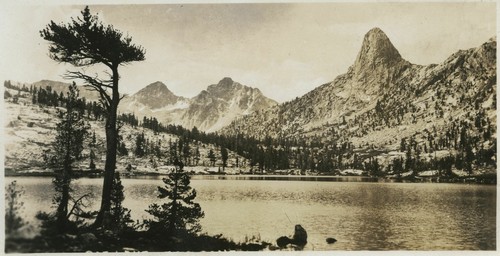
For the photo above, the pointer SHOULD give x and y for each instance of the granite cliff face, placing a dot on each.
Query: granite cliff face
(377, 65)
(383, 98)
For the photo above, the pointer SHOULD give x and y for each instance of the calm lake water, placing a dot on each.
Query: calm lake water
(360, 215)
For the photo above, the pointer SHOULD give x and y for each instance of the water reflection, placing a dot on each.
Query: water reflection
(446, 218)
(360, 215)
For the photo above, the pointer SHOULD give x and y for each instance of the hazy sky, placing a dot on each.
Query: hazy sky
(285, 50)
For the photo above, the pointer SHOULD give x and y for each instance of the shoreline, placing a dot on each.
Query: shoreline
(486, 179)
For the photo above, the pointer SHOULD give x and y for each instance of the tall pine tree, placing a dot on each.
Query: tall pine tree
(84, 42)
(67, 148)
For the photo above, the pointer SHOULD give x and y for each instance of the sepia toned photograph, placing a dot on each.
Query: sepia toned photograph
(279, 127)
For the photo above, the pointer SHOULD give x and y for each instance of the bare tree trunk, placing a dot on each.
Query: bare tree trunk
(62, 208)
(111, 149)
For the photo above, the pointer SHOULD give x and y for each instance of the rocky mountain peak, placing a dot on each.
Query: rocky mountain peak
(376, 49)
(156, 95)
(225, 88)
(221, 103)
(383, 98)
(156, 88)
(226, 81)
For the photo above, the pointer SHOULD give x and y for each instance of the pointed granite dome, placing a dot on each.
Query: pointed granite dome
(376, 50)
(377, 63)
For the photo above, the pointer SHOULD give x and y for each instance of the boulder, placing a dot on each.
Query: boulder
(331, 240)
(283, 241)
(299, 236)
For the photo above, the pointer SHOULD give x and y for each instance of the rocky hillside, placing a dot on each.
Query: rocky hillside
(383, 98)
(210, 110)
(29, 130)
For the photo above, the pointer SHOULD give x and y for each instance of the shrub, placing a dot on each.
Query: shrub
(13, 207)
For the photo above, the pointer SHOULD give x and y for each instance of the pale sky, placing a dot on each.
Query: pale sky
(285, 50)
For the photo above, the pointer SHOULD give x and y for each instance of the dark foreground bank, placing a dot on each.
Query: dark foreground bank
(107, 241)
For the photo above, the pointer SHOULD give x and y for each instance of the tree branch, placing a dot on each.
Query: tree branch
(76, 203)
(123, 96)
(93, 83)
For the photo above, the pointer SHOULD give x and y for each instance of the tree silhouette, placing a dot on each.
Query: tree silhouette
(83, 42)
(92, 156)
(13, 208)
(119, 215)
(67, 148)
(140, 144)
(211, 156)
(180, 215)
(224, 155)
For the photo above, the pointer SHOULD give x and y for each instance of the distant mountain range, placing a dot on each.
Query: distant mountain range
(380, 99)
(210, 110)
(383, 98)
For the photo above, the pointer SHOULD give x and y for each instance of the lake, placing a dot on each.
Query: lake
(360, 215)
